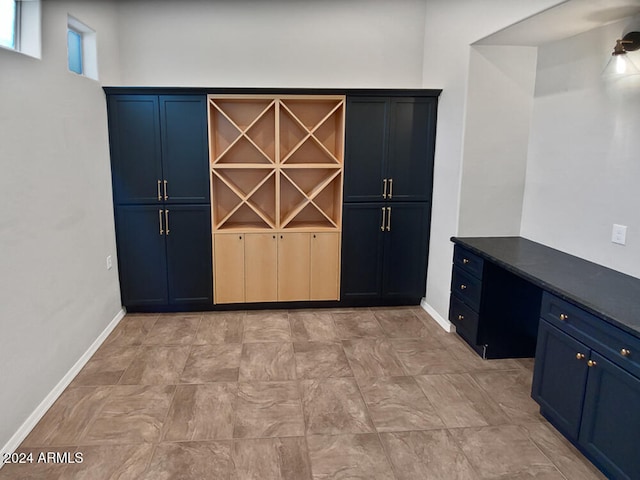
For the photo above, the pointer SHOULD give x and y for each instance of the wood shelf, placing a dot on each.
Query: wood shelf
(276, 162)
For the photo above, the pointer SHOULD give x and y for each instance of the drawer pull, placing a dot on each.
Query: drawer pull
(580, 356)
(463, 287)
(591, 363)
(460, 317)
(625, 352)
(563, 317)
(465, 260)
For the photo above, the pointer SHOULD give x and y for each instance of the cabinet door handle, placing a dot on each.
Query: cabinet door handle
(166, 221)
(463, 287)
(383, 216)
(563, 317)
(389, 218)
(465, 261)
(160, 221)
(580, 356)
(591, 363)
(159, 194)
(460, 317)
(390, 187)
(384, 190)
(625, 352)
(166, 197)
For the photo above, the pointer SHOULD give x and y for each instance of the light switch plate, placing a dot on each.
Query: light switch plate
(619, 234)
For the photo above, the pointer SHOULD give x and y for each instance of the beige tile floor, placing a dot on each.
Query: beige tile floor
(380, 393)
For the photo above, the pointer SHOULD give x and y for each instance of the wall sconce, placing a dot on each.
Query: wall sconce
(620, 64)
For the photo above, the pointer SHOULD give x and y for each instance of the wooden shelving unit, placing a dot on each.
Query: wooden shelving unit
(276, 163)
(276, 167)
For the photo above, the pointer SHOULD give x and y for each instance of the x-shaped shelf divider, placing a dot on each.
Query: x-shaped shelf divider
(310, 133)
(243, 133)
(245, 199)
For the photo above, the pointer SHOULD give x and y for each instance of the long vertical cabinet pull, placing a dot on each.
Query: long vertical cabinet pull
(384, 188)
(159, 193)
(388, 219)
(166, 221)
(166, 197)
(390, 187)
(160, 221)
(383, 217)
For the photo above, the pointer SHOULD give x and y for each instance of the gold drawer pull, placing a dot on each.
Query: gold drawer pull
(460, 317)
(465, 261)
(580, 356)
(563, 317)
(591, 363)
(463, 287)
(625, 352)
(159, 194)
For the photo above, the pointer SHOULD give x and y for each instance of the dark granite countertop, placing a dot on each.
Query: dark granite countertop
(611, 295)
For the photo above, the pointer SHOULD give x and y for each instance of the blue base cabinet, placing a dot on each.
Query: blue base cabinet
(586, 382)
(164, 255)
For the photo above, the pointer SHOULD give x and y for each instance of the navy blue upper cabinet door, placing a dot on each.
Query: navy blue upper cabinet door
(134, 128)
(411, 148)
(560, 377)
(610, 428)
(406, 240)
(142, 261)
(183, 120)
(189, 268)
(365, 148)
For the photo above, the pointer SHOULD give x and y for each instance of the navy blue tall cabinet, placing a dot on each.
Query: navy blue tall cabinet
(389, 149)
(159, 158)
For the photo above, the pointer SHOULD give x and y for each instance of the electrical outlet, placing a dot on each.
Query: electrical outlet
(619, 234)
(109, 262)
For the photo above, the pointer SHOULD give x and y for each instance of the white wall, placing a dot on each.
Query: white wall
(584, 153)
(499, 106)
(450, 28)
(279, 43)
(56, 221)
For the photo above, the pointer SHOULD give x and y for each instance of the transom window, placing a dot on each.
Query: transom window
(9, 11)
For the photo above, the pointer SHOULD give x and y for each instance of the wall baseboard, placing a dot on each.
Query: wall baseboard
(31, 421)
(443, 322)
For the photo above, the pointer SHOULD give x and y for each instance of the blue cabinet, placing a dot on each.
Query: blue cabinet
(388, 178)
(389, 149)
(159, 164)
(384, 251)
(585, 384)
(158, 149)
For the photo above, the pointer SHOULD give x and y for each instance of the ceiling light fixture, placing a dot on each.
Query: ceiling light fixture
(620, 64)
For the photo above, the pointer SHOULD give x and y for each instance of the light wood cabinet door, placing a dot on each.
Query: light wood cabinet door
(293, 266)
(228, 266)
(325, 266)
(261, 267)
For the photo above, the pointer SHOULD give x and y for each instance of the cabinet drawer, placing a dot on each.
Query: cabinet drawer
(465, 319)
(467, 261)
(466, 288)
(617, 345)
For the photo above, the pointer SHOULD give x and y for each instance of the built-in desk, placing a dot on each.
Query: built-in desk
(511, 297)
